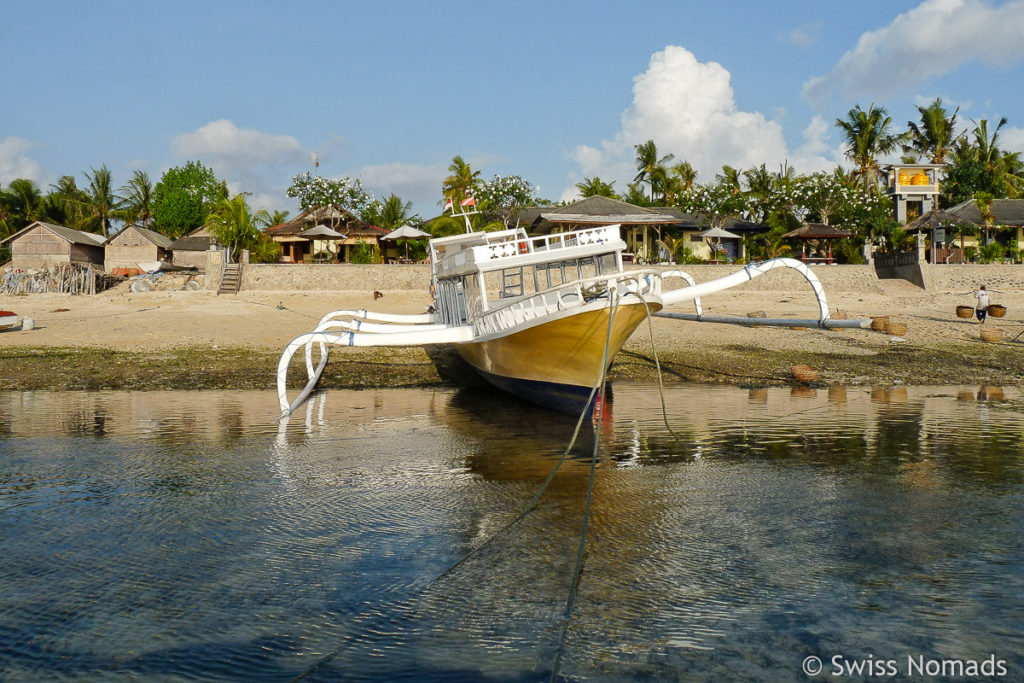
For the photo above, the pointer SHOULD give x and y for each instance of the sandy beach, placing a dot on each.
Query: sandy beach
(247, 331)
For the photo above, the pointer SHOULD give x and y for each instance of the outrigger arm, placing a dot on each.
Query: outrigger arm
(749, 272)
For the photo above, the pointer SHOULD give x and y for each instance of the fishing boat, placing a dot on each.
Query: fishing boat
(8, 319)
(541, 317)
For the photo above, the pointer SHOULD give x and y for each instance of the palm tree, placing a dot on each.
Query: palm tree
(102, 204)
(462, 181)
(137, 199)
(685, 174)
(1003, 168)
(651, 168)
(234, 224)
(730, 178)
(278, 217)
(868, 136)
(24, 201)
(936, 135)
(394, 212)
(595, 187)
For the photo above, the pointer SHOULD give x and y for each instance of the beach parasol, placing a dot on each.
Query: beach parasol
(321, 232)
(406, 232)
(718, 234)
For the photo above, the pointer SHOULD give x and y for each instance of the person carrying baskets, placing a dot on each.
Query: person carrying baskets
(984, 301)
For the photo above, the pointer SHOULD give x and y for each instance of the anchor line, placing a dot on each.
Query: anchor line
(613, 308)
(570, 602)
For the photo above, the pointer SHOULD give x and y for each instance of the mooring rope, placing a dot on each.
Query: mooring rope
(570, 602)
(602, 375)
(657, 366)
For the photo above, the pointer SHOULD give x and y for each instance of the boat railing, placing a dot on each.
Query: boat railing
(564, 297)
(508, 244)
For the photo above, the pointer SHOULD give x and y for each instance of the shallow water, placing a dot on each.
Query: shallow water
(182, 535)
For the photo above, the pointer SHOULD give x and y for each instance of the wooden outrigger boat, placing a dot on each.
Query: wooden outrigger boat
(8, 319)
(540, 317)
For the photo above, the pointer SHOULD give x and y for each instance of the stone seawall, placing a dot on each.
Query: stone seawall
(416, 277)
(958, 278)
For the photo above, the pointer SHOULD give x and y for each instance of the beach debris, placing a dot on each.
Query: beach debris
(28, 323)
(377, 295)
(60, 310)
(61, 278)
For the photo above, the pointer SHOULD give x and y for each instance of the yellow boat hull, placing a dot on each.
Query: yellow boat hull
(556, 363)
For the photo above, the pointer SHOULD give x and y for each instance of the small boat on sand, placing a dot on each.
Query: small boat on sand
(8, 319)
(540, 317)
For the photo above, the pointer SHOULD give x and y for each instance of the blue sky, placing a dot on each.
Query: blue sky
(553, 91)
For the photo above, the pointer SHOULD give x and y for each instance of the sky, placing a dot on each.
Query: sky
(389, 92)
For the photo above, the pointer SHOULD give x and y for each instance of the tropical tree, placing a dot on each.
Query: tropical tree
(595, 187)
(1002, 168)
(234, 224)
(504, 196)
(461, 182)
(22, 202)
(343, 194)
(137, 199)
(65, 204)
(184, 198)
(651, 168)
(389, 214)
(278, 217)
(936, 134)
(101, 203)
(868, 135)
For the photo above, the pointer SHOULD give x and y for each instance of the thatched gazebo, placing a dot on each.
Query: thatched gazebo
(821, 235)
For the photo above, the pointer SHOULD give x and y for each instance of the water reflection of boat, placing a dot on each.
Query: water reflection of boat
(540, 317)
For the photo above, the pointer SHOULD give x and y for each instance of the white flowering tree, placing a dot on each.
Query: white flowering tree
(835, 199)
(717, 203)
(505, 195)
(339, 193)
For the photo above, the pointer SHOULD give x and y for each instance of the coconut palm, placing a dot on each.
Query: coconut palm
(1003, 168)
(20, 204)
(936, 135)
(868, 136)
(234, 224)
(102, 204)
(730, 178)
(462, 181)
(137, 199)
(277, 217)
(394, 212)
(685, 173)
(651, 168)
(595, 187)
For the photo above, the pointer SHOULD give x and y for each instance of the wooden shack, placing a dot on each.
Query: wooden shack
(134, 245)
(44, 244)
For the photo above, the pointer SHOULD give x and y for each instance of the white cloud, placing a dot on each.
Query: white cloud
(932, 39)
(232, 148)
(419, 184)
(687, 107)
(805, 35)
(1011, 139)
(15, 162)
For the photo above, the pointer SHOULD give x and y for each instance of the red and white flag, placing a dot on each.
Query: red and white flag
(470, 201)
(447, 205)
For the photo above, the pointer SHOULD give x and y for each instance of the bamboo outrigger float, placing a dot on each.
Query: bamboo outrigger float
(534, 315)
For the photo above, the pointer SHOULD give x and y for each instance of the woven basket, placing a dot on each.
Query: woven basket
(990, 335)
(964, 311)
(990, 393)
(804, 373)
(878, 322)
(997, 310)
(894, 329)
